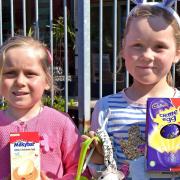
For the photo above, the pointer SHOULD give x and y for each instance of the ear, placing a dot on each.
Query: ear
(122, 49)
(47, 87)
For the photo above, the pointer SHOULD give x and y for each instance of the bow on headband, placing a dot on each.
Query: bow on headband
(165, 4)
(50, 57)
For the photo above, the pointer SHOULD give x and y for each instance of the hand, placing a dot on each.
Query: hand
(98, 155)
(43, 176)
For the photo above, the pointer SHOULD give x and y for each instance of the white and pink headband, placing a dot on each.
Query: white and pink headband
(165, 4)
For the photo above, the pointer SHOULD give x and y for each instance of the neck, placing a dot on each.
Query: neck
(139, 93)
(21, 114)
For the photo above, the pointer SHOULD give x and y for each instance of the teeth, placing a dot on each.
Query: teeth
(20, 93)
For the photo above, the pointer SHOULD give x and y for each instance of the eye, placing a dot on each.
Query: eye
(160, 47)
(31, 74)
(137, 45)
(9, 74)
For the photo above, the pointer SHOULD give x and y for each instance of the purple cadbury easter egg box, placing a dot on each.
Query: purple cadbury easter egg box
(163, 134)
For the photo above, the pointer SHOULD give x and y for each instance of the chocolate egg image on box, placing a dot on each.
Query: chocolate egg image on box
(170, 131)
(25, 171)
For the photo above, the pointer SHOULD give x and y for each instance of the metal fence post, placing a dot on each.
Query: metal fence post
(84, 64)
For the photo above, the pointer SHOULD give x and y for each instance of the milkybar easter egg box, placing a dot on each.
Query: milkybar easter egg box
(25, 156)
(163, 134)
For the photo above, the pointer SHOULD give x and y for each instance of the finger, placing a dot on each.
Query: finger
(43, 176)
(84, 137)
(92, 134)
(87, 135)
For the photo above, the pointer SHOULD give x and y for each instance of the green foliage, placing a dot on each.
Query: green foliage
(59, 103)
(30, 32)
(58, 30)
(3, 104)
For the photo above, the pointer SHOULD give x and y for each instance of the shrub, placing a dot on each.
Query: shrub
(59, 103)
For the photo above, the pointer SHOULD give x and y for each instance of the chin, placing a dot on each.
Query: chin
(147, 82)
(20, 106)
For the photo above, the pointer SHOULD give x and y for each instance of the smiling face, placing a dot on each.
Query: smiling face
(149, 49)
(23, 79)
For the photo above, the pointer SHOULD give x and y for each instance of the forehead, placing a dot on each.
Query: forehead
(25, 49)
(23, 55)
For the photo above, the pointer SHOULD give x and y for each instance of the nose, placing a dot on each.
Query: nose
(20, 79)
(148, 54)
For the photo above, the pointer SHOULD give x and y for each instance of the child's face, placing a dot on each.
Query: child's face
(23, 80)
(149, 49)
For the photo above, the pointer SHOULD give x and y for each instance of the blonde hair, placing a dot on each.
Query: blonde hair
(149, 11)
(25, 41)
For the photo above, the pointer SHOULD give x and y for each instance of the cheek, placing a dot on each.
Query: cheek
(38, 83)
(165, 61)
(5, 84)
(129, 61)
(4, 88)
(1, 91)
(130, 56)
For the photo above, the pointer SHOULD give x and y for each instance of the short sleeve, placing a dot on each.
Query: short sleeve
(99, 113)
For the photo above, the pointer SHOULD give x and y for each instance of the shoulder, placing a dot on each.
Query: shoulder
(111, 101)
(4, 120)
(112, 98)
(54, 112)
(103, 106)
(56, 117)
(177, 94)
(1, 113)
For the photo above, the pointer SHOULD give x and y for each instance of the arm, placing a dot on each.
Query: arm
(70, 148)
(98, 116)
(100, 113)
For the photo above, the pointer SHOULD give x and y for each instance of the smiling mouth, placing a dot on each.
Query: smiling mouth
(146, 67)
(20, 93)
